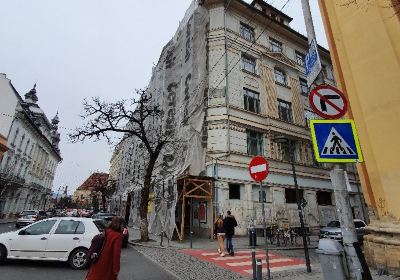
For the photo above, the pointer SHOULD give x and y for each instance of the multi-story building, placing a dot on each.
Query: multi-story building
(234, 74)
(91, 189)
(28, 167)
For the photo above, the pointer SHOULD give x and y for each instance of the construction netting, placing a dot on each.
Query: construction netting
(179, 85)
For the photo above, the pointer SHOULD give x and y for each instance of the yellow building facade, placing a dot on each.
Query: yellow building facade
(364, 39)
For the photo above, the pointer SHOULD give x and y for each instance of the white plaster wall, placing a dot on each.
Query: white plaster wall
(8, 103)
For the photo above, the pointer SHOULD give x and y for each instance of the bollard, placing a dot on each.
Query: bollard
(259, 269)
(162, 238)
(191, 239)
(253, 258)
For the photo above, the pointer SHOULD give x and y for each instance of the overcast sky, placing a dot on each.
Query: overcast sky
(75, 49)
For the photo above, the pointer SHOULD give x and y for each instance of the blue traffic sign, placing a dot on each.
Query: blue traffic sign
(312, 63)
(335, 141)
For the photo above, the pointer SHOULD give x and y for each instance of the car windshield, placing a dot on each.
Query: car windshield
(100, 225)
(25, 213)
(334, 224)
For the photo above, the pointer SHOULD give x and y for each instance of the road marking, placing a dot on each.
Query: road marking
(279, 268)
(250, 263)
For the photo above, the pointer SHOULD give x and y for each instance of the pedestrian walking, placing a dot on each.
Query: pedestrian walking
(219, 232)
(108, 265)
(229, 224)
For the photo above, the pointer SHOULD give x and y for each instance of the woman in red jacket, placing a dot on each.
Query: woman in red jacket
(107, 267)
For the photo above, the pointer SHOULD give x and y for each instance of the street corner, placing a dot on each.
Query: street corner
(241, 262)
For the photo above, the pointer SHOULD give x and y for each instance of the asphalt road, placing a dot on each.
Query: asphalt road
(134, 266)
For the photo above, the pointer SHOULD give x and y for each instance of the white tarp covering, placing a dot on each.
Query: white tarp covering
(179, 85)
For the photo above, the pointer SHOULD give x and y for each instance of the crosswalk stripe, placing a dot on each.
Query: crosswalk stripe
(236, 253)
(250, 263)
(279, 268)
(241, 257)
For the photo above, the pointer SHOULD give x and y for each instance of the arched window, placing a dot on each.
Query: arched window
(280, 76)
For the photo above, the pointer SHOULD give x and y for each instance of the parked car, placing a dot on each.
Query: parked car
(55, 239)
(333, 231)
(28, 217)
(106, 218)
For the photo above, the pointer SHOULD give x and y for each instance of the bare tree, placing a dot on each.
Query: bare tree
(139, 118)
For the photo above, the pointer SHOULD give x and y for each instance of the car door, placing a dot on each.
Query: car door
(31, 242)
(64, 239)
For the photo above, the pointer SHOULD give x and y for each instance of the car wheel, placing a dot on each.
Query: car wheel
(3, 254)
(77, 259)
(17, 226)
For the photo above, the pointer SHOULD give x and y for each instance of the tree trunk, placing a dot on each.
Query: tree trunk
(103, 202)
(144, 200)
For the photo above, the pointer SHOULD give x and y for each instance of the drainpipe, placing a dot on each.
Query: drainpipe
(226, 84)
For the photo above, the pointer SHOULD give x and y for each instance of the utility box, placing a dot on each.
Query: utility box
(332, 259)
(252, 237)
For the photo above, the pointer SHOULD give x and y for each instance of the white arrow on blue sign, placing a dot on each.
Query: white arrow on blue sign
(312, 63)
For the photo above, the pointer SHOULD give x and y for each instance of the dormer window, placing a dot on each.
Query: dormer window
(276, 46)
(247, 32)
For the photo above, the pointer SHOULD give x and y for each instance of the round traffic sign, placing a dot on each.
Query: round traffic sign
(258, 168)
(328, 102)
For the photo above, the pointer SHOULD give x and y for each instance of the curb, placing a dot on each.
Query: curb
(154, 246)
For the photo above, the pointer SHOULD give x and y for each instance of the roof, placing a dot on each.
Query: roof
(96, 180)
(265, 4)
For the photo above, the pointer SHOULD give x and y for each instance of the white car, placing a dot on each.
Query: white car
(56, 239)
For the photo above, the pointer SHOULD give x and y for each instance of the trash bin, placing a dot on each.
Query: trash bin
(252, 237)
(331, 258)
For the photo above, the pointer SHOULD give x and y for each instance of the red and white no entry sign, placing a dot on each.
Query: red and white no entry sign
(328, 102)
(258, 168)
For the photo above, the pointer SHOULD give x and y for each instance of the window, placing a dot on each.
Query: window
(300, 58)
(309, 115)
(326, 72)
(284, 151)
(285, 110)
(260, 195)
(40, 228)
(324, 198)
(70, 227)
(254, 143)
(333, 224)
(290, 195)
(234, 191)
(303, 86)
(280, 76)
(100, 225)
(251, 100)
(276, 46)
(249, 63)
(247, 32)
(359, 224)
(15, 137)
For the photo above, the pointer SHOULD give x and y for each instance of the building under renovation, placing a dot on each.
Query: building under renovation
(231, 80)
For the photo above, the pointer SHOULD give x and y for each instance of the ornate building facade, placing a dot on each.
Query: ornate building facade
(28, 167)
(253, 88)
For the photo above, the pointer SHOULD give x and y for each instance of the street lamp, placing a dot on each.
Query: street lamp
(285, 140)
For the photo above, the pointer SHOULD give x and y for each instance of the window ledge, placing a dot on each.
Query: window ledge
(283, 85)
(244, 38)
(250, 73)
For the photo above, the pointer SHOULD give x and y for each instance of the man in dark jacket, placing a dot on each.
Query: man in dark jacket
(229, 225)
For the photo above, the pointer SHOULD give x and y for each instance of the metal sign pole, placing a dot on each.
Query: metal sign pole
(265, 230)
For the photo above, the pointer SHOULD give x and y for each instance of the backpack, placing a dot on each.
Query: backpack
(96, 247)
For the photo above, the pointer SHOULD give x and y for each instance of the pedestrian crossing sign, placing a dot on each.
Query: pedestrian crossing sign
(335, 141)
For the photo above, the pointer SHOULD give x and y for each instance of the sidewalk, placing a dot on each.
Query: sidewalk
(7, 221)
(240, 242)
